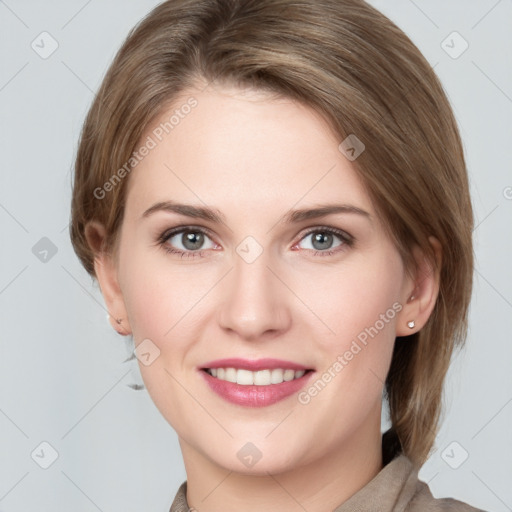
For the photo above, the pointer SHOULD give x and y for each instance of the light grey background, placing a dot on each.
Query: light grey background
(63, 380)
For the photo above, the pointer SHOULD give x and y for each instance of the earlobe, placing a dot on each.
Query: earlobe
(106, 274)
(118, 325)
(421, 291)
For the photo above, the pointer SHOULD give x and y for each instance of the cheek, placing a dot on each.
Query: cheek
(359, 303)
(160, 302)
(155, 298)
(166, 302)
(357, 299)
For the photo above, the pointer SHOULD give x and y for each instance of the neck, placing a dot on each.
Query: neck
(317, 486)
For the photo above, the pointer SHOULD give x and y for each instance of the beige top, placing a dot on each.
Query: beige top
(395, 488)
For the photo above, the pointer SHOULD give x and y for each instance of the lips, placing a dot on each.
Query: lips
(256, 383)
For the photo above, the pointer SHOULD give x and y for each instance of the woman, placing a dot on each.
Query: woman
(273, 198)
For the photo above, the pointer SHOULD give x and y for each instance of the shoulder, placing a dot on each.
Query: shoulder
(420, 498)
(399, 482)
(423, 501)
(397, 488)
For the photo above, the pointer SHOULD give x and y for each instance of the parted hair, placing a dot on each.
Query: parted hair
(355, 67)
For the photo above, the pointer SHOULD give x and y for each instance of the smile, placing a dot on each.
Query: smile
(258, 378)
(255, 383)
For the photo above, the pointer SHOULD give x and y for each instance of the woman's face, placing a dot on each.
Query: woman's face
(269, 254)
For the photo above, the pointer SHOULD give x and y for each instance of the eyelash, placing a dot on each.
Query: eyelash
(346, 239)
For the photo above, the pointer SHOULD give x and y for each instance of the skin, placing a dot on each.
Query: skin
(254, 157)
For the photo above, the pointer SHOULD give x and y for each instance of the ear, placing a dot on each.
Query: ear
(420, 291)
(106, 273)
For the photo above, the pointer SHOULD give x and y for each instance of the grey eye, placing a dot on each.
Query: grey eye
(192, 240)
(322, 240)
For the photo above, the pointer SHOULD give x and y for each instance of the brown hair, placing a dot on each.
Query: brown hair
(364, 75)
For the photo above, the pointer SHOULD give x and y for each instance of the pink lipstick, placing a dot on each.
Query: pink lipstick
(255, 383)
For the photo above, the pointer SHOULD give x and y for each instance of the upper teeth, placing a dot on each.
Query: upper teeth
(260, 378)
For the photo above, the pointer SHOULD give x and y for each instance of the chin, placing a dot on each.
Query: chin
(256, 459)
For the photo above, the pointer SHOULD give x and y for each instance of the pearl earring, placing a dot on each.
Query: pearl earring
(411, 324)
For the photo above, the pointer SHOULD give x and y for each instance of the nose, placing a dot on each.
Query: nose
(254, 302)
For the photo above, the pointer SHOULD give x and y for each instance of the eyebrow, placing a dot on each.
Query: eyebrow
(214, 215)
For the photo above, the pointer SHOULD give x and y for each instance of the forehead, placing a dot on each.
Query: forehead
(242, 147)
